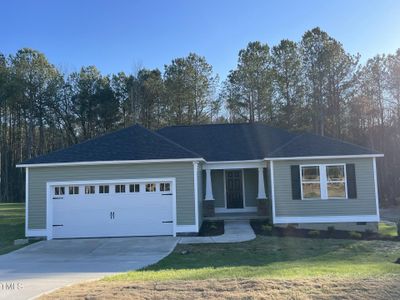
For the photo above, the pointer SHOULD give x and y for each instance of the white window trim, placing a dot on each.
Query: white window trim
(323, 182)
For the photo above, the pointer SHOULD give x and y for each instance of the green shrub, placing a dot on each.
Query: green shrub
(314, 233)
(266, 228)
(355, 235)
(331, 230)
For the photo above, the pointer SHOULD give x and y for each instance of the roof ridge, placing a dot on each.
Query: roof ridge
(287, 143)
(215, 124)
(170, 141)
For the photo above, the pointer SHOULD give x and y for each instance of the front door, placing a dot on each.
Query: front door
(234, 189)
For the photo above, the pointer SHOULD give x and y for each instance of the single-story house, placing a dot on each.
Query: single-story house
(138, 182)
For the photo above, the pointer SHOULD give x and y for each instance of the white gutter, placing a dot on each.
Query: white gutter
(119, 162)
(113, 162)
(323, 157)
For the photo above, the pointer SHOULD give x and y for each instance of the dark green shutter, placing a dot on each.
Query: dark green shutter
(296, 189)
(351, 181)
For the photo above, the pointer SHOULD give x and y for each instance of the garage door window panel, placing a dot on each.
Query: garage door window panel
(59, 190)
(90, 189)
(73, 190)
(104, 189)
(165, 187)
(150, 187)
(134, 188)
(120, 188)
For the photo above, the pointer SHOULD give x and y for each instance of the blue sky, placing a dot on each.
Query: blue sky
(119, 35)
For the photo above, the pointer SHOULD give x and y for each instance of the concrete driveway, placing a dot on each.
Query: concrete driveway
(48, 265)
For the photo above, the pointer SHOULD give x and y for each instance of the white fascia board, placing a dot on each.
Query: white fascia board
(327, 219)
(240, 164)
(111, 162)
(323, 157)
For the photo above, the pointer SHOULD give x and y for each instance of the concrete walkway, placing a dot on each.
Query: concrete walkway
(235, 232)
(48, 265)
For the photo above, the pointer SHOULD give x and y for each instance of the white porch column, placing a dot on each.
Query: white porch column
(209, 193)
(261, 185)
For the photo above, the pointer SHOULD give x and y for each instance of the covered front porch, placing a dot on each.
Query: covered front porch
(236, 190)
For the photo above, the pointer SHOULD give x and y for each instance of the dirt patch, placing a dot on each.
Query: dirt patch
(322, 288)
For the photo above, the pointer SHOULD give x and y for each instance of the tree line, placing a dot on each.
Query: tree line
(309, 85)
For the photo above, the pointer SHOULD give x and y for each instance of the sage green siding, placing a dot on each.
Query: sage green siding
(182, 171)
(365, 204)
(251, 186)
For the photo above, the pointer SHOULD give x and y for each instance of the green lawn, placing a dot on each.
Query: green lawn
(275, 258)
(388, 229)
(12, 225)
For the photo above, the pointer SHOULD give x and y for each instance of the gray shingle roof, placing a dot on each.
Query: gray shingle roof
(230, 142)
(315, 145)
(132, 143)
(214, 142)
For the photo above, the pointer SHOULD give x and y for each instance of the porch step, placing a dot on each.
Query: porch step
(235, 217)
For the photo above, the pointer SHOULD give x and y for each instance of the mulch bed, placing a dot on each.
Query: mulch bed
(259, 227)
(212, 228)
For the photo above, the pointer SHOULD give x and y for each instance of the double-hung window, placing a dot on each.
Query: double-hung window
(323, 181)
(311, 182)
(336, 181)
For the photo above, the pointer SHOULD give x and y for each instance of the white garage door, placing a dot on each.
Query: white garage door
(104, 209)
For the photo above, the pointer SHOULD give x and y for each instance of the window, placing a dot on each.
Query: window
(90, 189)
(120, 188)
(73, 190)
(104, 189)
(335, 180)
(59, 190)
(165, 187)
(150, 187)
(311, 182)
(323, 182)
(134, 188)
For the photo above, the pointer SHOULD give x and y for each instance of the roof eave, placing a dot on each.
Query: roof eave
(325, 157)
(110, 162)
